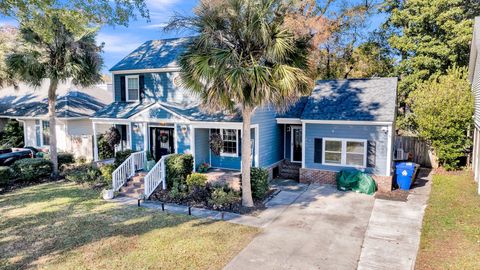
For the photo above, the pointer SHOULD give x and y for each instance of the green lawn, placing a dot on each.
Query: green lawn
(65, 226)
(451, 226)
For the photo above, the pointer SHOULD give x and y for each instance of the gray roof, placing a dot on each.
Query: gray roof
(154, 54)
(353, 100)
(194, 112)
(296, 110)
(121, 109)
(72, 101)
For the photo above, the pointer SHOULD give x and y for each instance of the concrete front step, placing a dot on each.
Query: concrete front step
(135, 186)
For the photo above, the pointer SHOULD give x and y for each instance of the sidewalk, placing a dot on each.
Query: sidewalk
(393, 235)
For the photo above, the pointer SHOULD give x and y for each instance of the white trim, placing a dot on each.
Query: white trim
(131, 137)
(175, 135)
(127, 97)
(389, 151)
(111, 121)
(192, 148)
(44, 118)
(284, 140)
(95, 142)
(145, 137)
(147, 70)
(343, 161)
(217, 125)
(257, 143)
(293, 121)
(342, 122)
(172, 112)
(303, 143)
(292, 143)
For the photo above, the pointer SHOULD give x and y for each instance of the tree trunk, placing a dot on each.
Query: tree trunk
(52, 100)
(247, 199)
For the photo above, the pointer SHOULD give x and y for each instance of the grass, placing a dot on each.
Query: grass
(65, 226)
(451, 226)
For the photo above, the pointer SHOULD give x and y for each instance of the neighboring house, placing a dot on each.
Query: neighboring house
(75, 106)
(342, 124)
(474, 77)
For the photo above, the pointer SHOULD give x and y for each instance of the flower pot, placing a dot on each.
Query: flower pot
(150, 165)
(107, 194)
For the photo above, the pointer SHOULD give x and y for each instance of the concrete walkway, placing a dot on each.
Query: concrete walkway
(393, 235)
(322, 229)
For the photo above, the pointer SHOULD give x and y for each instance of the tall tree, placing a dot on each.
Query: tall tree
(58, 54)
(8, 36)
(429, 36)
(244, 58)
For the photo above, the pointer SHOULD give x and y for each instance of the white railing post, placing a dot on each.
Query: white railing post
(127, 169)
(156, 176)
(164, 175)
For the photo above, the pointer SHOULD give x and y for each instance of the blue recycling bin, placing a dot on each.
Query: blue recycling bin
(404, 171)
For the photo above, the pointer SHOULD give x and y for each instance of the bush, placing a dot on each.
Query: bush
(443, 109)
(222, 197)
(196, 180)
(121, 156)
(178, 191)
(104, 149)
(178, 167)
(12, 135)
(6, 175)
(84, 174)
(106, 171)
(32, 168)
(259, 182)
(65, 159)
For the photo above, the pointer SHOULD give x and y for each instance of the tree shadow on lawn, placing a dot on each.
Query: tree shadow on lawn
(45, 221)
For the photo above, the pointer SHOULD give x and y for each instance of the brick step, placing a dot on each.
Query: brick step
(290, 170)
(132, 190)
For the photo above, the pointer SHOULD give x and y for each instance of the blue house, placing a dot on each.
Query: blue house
(342, 124)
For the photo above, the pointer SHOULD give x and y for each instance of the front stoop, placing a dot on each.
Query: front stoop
(289, 170)
(135, 187)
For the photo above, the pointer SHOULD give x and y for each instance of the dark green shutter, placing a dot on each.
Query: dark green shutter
(123, 89)
(317, 158)
(371, 153)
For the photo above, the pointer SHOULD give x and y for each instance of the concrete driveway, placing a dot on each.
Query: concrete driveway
(322, 229)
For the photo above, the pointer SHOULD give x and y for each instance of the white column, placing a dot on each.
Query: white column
(389, 150)
(95, 142)
(303, 144)
(145, 137)
(192, 147)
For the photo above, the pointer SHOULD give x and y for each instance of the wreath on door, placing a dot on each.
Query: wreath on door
(216, 143)
(163, 138)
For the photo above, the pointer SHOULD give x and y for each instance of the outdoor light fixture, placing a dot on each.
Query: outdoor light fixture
(184, 129)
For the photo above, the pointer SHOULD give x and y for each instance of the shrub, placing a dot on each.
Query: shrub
(443, 109)
(104, 149)
(178, 167)
(178, 191)
(6, 175)
(222, 197)
(259, 182)
(106, 171)
(12, 135)
(32, 168)
(196, 180)
(65, 159)
(84, 174)
(121, 156)
(81, 160)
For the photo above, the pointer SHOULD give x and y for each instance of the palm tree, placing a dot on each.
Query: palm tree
(51, 50)
(244, 58)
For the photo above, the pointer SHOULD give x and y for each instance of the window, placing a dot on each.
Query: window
(133, 88)
(230, 141)
(45, 133)
(345, 152)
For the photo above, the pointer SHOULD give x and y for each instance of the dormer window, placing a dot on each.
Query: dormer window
(133, 88)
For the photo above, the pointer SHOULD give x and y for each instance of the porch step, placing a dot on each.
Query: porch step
(290, 170)
(135, 186)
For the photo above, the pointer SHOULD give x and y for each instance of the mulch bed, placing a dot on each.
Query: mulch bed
(394, 195)
(163, 196)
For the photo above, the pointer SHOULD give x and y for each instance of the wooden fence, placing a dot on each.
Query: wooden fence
(417, 149)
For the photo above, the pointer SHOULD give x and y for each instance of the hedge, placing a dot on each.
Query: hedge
(6, 175)
(32, 169)
(259, 182)
(121, 156)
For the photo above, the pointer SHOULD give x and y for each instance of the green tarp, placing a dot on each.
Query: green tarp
(356, 181)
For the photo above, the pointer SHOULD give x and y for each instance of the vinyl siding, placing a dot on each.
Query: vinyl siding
(270, 136)
(183, 140)
(370, 133)
(158, 87)
(30, 139)
(201, 146)
(225, 162)
(79, 127)
(138, 136)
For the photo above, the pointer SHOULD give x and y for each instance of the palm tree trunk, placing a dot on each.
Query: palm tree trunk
(52, 100)
(247, 199)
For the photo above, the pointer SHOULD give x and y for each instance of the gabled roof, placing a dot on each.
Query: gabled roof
(72, 101)
(121, 110)
(154, 54)
(348, 100)
(193, 112)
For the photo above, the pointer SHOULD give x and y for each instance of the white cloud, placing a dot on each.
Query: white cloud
(154, 26)
(119, 43)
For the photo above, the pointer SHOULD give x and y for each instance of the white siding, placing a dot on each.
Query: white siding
(30, 138)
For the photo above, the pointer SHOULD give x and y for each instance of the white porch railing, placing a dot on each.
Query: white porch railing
(156, 176)
(136, 161)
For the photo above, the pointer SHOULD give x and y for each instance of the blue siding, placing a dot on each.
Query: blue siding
(225, 162)
(138, 136)
(270, 136)
(201, 146)
(158, 87)
(288, 142)
(183, 140)
(371, 133)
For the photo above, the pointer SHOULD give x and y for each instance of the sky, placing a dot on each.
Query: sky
(119, 41)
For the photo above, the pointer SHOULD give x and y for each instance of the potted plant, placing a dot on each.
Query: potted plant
(203, 168)
(108, 193)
